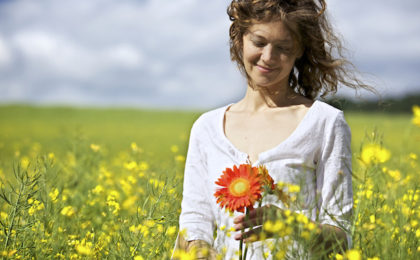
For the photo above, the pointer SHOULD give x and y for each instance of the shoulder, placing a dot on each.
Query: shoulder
(210, 120)
(328, 114)
(329, 121)
(327, 109)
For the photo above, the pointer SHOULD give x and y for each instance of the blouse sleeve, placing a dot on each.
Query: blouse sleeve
(196, 218)
(334, 177)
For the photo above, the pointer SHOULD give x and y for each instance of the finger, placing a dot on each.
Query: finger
(259, 215)
(251, 235)
(246, 222)
(258, 212)
(239, 219)
(266, 212)
(255, 217)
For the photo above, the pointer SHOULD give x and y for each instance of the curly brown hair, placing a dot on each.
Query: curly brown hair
(316, 71)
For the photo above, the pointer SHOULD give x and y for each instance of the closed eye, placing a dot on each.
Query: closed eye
(258, 44)
(284, 49)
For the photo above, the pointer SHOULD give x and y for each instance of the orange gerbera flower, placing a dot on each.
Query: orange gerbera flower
(241, 188)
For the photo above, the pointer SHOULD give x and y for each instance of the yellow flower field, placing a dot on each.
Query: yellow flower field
(107, 184)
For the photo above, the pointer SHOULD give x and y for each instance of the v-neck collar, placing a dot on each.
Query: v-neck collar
(263, 155)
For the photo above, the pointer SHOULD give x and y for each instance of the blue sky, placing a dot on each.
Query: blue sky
(174, 54)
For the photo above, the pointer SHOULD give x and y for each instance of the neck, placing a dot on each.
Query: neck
(261, 99)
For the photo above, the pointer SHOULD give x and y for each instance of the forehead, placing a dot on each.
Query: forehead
(272, 31)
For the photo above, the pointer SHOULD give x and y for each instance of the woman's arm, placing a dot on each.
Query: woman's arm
(196, 221)
(328, 238)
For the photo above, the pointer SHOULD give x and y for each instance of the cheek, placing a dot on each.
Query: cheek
(249, 53)
(288, 61)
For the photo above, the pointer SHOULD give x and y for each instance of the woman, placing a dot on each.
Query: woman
(284, 48)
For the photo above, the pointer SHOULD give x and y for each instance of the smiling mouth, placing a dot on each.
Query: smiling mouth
(264, 69)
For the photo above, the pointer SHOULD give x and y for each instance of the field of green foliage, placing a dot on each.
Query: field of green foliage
(107, 183)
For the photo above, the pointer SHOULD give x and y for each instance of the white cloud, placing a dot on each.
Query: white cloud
(48, 53)
(382, 30)
(124, 55)
(162, 52)
(53, 54)
(5, 53)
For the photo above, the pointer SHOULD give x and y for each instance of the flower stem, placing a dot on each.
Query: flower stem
(241, 245)
(246, 218)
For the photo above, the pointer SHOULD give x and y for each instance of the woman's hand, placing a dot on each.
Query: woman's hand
(256, 217)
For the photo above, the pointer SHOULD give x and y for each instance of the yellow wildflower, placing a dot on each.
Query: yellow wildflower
(171, 230)
(293, 188)
(68, 211)
(302, 218)
(83, 250)
(3, 215)
(143, 166)
(114, 206)
(180, 158)
(130, 165)
(36, 205)
(98, 189)
(416, 115)
(53, 194)
(174, 148)
(372, 219)
(395, 174)
(135, 148)
(113, 194)
(353, 254)
(130, 202)
(51, 156)
(131, 179)
(182, 255)
(306, 235)
(374, 153)
(95, 147)
(275, 227)
(311, 226)
(24, 162)
(126, 186)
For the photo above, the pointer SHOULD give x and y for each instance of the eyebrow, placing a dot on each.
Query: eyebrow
(278, 41)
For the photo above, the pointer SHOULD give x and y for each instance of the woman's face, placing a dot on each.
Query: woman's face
(269, 54)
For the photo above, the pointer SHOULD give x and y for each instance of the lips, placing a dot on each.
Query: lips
(264, 69)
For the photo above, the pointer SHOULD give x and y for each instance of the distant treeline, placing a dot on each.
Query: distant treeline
(389, 105)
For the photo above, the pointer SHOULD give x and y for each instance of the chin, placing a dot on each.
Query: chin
(264, 83)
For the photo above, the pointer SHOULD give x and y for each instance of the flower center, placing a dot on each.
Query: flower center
(239, 187)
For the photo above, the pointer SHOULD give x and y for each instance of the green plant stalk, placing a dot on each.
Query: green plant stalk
(246, 217)
(241, 245)
(12, 220)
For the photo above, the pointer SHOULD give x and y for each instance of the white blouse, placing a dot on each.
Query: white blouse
(316, 156)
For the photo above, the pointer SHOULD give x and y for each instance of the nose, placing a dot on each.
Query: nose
(268, 55)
